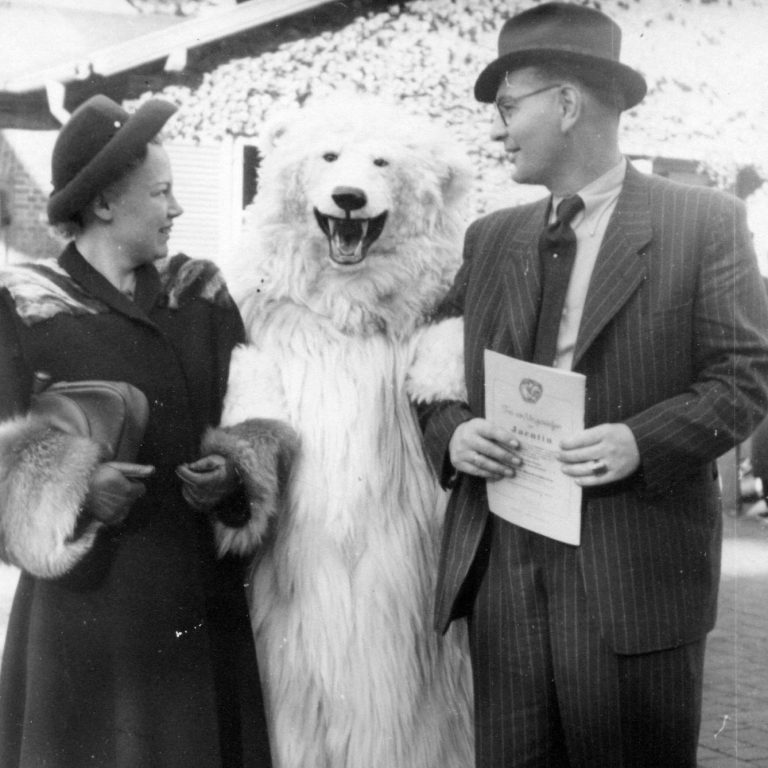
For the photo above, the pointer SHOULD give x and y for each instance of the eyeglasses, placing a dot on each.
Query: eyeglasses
(507, 106)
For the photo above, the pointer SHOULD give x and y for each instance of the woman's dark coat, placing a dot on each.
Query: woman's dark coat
(140, 654)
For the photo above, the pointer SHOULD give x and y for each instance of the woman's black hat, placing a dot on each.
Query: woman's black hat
(95, 147)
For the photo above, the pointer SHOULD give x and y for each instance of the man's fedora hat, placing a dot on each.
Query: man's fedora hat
(566, 33)
(95, 147)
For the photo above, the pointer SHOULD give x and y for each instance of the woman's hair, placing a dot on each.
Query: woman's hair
(79, 220)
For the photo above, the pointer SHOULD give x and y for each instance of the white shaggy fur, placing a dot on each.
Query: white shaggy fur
(342, 593)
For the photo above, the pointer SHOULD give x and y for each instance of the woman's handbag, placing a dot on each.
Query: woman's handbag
(113, 413)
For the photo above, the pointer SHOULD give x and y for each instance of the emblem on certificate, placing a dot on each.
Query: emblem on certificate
(530, 390)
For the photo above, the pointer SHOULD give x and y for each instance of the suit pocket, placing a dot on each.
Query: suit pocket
(674, 310)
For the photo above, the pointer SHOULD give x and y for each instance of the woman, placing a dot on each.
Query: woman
(129, 642)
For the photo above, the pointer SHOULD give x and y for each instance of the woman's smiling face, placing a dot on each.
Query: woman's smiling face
(143, 208)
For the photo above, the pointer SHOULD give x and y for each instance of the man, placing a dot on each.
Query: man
(592, 655)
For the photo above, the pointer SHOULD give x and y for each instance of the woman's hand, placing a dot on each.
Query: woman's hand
(207, 481)
(113, 488)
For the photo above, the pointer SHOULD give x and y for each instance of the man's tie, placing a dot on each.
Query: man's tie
(557, 251)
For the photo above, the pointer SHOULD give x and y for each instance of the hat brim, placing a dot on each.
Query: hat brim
(111, 161)
(631, 82)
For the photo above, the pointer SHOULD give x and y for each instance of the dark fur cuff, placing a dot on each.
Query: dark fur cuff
(263, 450)
(44, 476)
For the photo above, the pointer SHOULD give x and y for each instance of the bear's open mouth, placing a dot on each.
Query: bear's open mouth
(349, 239)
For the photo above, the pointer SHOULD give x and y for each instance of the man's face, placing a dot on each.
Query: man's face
(532, 136)
(144, 207)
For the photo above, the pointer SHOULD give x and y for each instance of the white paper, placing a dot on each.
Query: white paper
(541, 406)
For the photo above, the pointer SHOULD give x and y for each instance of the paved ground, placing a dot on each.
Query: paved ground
(734, 731)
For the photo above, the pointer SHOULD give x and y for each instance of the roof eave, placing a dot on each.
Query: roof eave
(162, 43)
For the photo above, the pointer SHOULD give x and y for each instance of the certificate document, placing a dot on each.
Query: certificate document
(541, 406)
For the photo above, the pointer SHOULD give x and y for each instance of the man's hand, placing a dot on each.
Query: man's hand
(600, 455)
(480, 448)
(207, 481)
(113, 488)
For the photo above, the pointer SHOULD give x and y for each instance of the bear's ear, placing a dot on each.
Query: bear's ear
(456, 176)
(273, 133)
(276, 127)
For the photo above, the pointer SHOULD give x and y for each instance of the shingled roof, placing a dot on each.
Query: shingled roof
(704, 61)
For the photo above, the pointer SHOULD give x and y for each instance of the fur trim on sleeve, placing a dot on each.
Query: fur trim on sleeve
(44, 476)
(263, 450)
(437, 371)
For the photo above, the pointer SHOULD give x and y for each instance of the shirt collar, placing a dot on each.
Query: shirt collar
(598, 196)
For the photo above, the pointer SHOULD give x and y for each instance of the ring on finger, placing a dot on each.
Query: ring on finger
(598, 467)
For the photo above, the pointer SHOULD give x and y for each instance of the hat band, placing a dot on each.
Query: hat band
(561, 48)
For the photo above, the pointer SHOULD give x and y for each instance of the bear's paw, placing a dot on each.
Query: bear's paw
(437, 370)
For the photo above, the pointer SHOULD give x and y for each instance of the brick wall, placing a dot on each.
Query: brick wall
(22, 159)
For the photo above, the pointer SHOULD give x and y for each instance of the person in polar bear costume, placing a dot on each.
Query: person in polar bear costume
(354, 236)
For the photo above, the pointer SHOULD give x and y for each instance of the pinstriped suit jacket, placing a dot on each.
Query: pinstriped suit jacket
(673, 342)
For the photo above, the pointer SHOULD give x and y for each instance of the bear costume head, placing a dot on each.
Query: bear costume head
(359, 216)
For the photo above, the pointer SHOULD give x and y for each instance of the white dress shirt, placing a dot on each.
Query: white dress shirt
(599, 198)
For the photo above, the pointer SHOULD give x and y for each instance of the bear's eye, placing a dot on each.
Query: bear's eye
(330, 157)
(381, 162)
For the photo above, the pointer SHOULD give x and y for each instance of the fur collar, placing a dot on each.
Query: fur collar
(183, 279)
(43, 290)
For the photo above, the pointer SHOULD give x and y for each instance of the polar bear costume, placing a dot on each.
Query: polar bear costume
(354, 237)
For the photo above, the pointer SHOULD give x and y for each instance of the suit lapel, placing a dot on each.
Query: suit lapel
(620, 266)
(521, 278)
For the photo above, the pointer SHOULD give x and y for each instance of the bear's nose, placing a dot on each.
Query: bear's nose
(349, 198)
